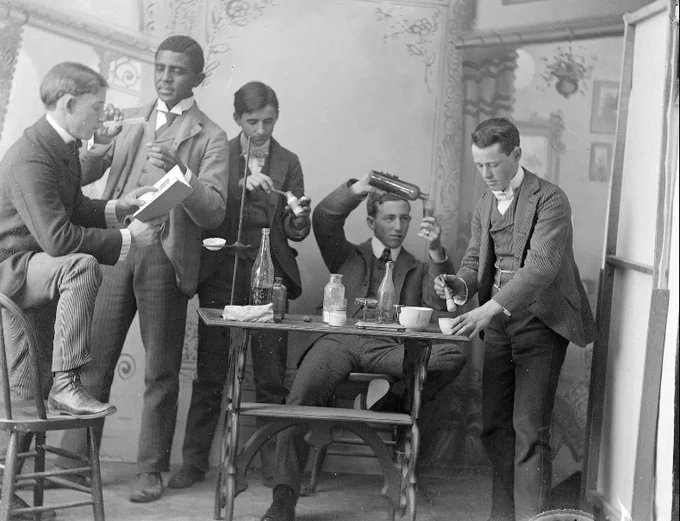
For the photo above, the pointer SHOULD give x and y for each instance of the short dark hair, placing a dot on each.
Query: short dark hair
(375, 199)
(187, 46)
(496, 130)
(254, 95)
(69, 78)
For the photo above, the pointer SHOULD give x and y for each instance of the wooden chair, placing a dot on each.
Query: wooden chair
(26, 419)
(355, 384)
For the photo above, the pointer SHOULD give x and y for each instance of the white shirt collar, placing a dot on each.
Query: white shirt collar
(180, 107)
(63, 134)
(378, 248)
(509, 192)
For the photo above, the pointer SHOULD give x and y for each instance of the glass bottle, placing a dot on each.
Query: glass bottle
(333, 293)
(279, 297)
(386, 297)
(393, 185)
(262, 274)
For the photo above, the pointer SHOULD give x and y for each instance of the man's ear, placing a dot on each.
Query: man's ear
(518, 153)
(370, 221)
(199, 79)
(68, 102)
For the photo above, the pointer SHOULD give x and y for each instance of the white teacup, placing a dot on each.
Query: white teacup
(214, 243)
(415, 318)
(445, 324)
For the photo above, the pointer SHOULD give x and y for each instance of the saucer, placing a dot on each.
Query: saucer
(214, 243)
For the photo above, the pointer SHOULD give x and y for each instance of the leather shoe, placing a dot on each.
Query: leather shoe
(147, 487)
(68, 396)
(16, 502)
(185, 477)
(283, 505)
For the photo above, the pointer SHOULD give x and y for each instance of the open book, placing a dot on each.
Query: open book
(171, 189)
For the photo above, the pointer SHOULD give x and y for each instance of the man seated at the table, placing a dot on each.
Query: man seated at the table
(332, 357)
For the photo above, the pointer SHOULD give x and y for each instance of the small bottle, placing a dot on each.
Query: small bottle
(262, 274)
(333, 293)
(386, 297)
(393, 185)
(294, 203)
(428, 208)
(279, 299)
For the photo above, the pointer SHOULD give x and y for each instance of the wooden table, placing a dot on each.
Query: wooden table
(400, 479)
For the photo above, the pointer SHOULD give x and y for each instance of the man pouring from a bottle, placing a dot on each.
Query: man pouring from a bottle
(332, 357)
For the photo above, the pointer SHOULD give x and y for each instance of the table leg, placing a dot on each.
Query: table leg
(226, 480)
(416, 358)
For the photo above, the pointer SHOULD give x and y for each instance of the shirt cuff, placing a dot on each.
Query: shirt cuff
(125, 246)
(188, 175)
(461, 300)
(110, 214)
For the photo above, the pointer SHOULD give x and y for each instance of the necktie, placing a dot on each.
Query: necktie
(170, 117)
(74, 162)
(386, 255)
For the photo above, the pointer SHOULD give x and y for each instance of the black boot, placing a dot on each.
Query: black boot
(283, 505)
(68, 396)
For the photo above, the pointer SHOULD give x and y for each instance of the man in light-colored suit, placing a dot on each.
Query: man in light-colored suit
(532, 304)
(158, 281)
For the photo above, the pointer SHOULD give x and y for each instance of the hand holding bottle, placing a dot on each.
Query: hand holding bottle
(362, 186)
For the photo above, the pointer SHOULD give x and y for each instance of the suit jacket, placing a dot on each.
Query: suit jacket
(42, 208)
(203, 147)
(283, 167)
(413, 280)
(547, 282)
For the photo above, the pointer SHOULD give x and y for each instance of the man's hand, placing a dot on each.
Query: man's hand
(145, 233)
(456, 285)
(130, 202)
(361, 187)
(164, 158)
(255, 181)
(300, 220)
(430, 230)
(105, 134)
(471, 323)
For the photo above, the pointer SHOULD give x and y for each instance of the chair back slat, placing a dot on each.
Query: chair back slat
(31, 339)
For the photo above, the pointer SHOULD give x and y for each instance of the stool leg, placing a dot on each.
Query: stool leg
(39, 466)
(95, 476)
(8, 477)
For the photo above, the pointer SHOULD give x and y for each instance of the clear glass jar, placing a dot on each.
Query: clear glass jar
(333, 293)
(279, 299)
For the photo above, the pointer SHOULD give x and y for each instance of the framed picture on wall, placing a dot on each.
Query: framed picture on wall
(605, 105)
(540, 143)
(600, 161)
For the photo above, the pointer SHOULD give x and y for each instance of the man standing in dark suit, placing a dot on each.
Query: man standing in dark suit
(532, 304)
(53, 238)
(157, 282)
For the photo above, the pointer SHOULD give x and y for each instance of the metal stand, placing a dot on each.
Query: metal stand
(238, 248)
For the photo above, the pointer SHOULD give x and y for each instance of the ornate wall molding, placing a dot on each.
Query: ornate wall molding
(70, 26)
(11, 28)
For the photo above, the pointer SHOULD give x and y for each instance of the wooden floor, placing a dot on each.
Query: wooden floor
(462, 496)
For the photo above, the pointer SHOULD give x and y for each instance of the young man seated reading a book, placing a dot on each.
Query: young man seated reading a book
(158, 281)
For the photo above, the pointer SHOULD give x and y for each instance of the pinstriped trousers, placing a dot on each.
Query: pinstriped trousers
(58, 297)
(145, 283)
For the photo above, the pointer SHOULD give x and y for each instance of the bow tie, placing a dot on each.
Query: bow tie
(75, 146)
(504, 196)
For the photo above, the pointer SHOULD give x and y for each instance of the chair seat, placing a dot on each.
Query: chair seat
(331, 414)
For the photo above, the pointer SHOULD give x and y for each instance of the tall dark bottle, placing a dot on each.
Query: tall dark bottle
(393, 185)
(262, 275)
